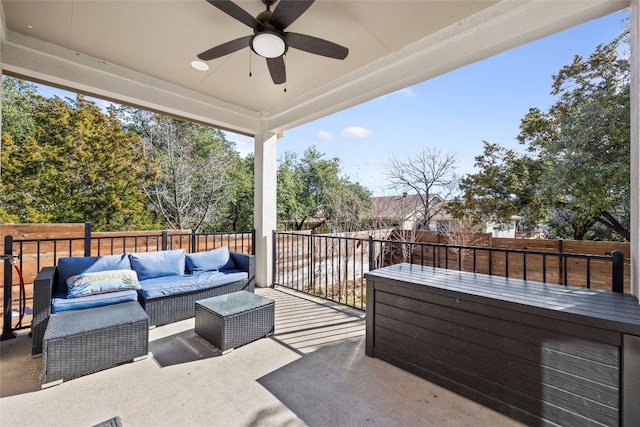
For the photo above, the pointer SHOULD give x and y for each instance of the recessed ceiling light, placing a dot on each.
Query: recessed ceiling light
(199, 65)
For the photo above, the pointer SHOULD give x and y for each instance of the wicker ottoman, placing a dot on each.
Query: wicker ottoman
(231, 320)
(80, 342)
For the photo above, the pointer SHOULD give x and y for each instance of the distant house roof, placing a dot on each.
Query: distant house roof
(400, 207)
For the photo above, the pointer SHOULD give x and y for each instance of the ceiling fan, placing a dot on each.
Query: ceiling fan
(269, 39)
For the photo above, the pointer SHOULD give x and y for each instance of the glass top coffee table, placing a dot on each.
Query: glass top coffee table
(232, 320)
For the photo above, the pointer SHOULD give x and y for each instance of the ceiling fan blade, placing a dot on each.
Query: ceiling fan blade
(225, 48)
(288, 11)
(235, 11)
(315, 45)
(277, 70)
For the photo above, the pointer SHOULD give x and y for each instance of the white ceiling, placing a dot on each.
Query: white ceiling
(139, 52)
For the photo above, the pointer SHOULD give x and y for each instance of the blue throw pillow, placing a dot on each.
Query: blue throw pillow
(100, 282)
(216, 259)
(71, 266)
(158, 264)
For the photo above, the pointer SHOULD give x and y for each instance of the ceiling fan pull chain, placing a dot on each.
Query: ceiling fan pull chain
(284, 59)
(250, 63)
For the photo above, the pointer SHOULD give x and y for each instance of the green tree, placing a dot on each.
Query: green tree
(75, 164)
(19, 100)
(238, 214)
(502, 188)
(349, 207)
(194, 164)
(576, 173)
(311, 187)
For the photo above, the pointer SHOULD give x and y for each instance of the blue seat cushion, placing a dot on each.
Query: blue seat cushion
(171, 285)
(71, 266)
(215, 259)
(149, 265)
(60, 302)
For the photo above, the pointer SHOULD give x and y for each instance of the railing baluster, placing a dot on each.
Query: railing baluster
(506, 263)
(446, 257)
(474, 259)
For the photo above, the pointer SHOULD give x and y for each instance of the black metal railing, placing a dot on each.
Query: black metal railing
(30, 255)
(329, 266)
(333, 267)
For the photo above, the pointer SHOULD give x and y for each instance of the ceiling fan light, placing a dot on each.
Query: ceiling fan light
(268, 44)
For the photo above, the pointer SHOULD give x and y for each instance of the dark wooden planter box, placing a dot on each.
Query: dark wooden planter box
(539, 353)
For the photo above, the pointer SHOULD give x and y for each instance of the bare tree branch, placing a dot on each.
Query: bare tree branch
(426, 173)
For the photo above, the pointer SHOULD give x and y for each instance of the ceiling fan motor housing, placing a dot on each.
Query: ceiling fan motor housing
(269, 38)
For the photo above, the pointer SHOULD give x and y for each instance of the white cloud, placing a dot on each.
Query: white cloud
(373, 162)
(104, 105)
(244, 144)
(407, 92)
(324, 135)
(356, 132)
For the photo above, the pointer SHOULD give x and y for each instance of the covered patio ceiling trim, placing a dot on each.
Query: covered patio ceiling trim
(501, 27)
(35, 60)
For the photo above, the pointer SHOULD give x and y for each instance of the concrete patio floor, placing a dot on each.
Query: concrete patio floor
(312, 371)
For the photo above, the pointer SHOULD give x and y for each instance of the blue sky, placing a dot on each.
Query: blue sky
(454, 113)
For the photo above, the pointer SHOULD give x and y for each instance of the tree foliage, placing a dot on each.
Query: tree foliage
(502, 187)
(64, 160)
(194, 164)
(311, 187)
(238, 214)
(575, 175)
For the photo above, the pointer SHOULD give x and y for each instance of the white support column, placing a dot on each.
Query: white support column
(265, 220)
(635, 148)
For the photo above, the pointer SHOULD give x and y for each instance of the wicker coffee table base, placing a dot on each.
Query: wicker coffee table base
(81, 342)
(232, 320)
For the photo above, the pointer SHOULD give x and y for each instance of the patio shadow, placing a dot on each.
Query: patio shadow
(183, 347)
(20, 373)
(339, 385)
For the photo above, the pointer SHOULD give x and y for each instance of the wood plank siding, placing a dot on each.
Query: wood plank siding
(543, 354)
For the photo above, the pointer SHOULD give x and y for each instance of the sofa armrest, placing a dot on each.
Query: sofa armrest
(246, 263)
(42, 293)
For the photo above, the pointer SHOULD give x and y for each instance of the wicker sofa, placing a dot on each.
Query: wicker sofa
(170, 282)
